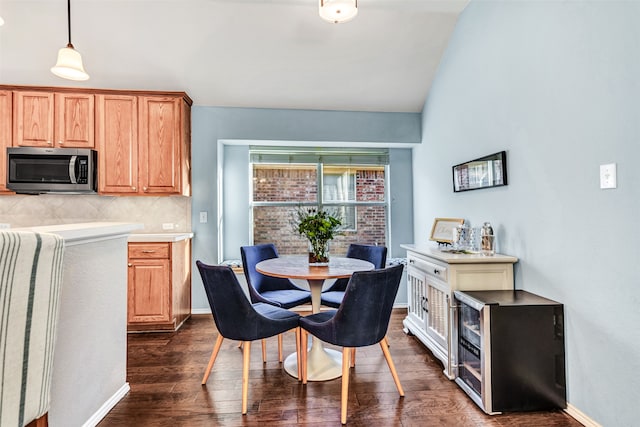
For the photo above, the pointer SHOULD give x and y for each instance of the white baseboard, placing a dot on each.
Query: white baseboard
(107, 406)
(580, 416)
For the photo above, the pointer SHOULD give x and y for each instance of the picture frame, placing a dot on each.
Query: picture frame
(442, 230)
(484, 172)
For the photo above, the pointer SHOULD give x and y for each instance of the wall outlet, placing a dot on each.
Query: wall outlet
(608, 178)
(167, 226)
(203, 217)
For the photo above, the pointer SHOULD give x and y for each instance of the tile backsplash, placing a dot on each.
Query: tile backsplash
(49, 209)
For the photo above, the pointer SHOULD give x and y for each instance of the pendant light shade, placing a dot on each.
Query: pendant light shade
(1, 21)
(338, 11)
(69, 65)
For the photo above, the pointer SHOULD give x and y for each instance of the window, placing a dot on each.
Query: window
(355, 193)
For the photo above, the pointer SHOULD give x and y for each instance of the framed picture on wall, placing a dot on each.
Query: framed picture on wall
(442, 230)
(487, 171)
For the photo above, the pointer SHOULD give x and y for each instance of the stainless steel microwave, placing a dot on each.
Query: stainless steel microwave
(33, 170)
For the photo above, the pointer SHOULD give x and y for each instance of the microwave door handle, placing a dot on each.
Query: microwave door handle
(72, 169)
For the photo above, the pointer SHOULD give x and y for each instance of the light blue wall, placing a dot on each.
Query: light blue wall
(212, 124)
(556, 84)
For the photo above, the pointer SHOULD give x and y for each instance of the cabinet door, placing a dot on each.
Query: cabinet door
(5, 134)
(438, 317)
(417, 296)
(148, 291)
(33, 119)
(160, 144)
(74, 115)
(117, 140)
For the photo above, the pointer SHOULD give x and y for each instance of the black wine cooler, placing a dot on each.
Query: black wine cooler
(510, 350)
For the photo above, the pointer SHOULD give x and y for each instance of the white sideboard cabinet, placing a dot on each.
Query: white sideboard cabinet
(432, 276)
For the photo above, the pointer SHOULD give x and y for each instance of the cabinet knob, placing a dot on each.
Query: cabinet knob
(133, 188)
(436, 271)
(129, 265)
(60, 142)
(49, 143)
(144, 188)
(411, 261)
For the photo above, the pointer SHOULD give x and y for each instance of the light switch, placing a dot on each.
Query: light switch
(203, 217)
(608, 176)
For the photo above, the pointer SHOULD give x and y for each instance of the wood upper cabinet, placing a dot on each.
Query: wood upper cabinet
(6, 115)
(47, 119)
(160, 144)
(117, 136)
(75, 120)
(144, 144)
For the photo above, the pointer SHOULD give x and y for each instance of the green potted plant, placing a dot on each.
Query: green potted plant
(319, 227)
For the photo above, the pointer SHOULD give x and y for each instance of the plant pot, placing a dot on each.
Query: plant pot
(319, 253)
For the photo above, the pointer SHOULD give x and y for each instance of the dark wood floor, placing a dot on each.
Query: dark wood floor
(165, 370)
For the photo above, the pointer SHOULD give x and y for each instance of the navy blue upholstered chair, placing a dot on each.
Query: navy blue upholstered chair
(270, 290)
(361, 320)
(376, 255)
(237, 319)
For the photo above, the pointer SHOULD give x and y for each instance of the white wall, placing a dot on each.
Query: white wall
(556, 84)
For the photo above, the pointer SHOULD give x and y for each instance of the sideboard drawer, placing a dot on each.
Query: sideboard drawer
(429, 268)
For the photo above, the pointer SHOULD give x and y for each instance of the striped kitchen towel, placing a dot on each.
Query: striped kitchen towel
(30, 285)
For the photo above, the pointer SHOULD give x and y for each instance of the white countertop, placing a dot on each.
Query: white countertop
(160, 237)
(474, 258)
(86, 230)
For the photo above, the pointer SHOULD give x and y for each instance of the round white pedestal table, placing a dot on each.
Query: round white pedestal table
(322, 363)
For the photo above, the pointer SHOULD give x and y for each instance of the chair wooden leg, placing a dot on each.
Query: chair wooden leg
(240, 344)
(280, 347)
(346, 352)
(246, 355)
(303, 351)
(386, 341)
(392, 367)
(264, 350)
(353, 357)
(298, 354)
(214, 354)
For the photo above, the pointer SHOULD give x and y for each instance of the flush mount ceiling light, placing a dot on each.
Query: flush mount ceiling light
(338, 11)
(69, 64)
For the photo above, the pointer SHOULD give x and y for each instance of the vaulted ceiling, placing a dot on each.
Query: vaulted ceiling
(237, 53)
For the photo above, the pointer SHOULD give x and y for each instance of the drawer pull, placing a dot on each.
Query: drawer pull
(436, 271)
(411, 261)
(148, 251)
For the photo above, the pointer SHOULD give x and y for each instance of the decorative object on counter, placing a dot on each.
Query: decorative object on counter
(442, 229)
(488, 240)
(488, 171)
(319, 227)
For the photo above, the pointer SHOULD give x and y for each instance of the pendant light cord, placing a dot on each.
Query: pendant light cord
(69, 22)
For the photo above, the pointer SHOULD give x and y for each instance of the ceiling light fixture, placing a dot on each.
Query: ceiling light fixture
(338, 11)
(69, 64)
(1, 21)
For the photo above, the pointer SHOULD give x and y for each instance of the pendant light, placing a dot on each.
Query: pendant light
(338, 11)
(69, 64)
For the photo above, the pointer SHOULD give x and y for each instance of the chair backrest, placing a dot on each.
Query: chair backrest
(258, 282)
(232, 311)
(377, 255)
(363, 316)
(30, 286)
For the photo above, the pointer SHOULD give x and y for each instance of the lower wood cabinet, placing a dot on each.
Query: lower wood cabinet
(159, 285)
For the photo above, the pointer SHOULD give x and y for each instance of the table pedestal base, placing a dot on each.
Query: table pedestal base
(323, 364)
